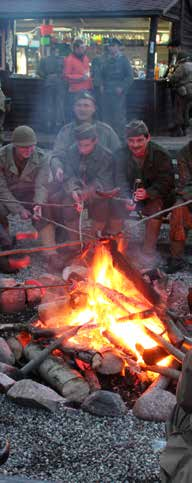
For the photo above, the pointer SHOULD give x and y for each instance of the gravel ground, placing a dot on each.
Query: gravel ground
(72, 446)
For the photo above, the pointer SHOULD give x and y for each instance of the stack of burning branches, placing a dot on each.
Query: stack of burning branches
(101, 327)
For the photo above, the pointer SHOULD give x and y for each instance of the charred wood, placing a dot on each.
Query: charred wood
(169, 348)
(144, 314)
(34, 364)
(164, 371)
(125, 266)
(91, 357)
(153, 355)
(57, 373)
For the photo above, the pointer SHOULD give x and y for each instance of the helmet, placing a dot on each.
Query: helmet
(24, 136)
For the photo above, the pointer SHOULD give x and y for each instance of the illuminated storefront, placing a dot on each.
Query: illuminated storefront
(33, 41)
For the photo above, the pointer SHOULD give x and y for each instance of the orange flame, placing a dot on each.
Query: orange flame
(105, 312)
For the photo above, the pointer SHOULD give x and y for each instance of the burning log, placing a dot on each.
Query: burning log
(169, 372)
(123, 351)
(113, 296)
(4, 453)
(153, 355)
(120, 297)
(33, 364)
(91, 357)
(125, 266)
(67, 381)
(111, 362)
(169, 348)
(144, 314)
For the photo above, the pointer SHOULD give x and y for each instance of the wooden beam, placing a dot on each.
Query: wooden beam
(152, 47)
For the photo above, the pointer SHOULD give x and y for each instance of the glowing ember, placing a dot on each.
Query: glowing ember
(107, 296)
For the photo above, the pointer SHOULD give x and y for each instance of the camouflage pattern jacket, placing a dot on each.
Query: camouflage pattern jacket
(33, 178)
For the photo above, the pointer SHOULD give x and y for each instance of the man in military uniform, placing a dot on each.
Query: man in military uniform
(176, 459)
(88, 168)
(181, 218)
(24, 174)
(116, 79)
(84, 109)
(145, 176)
(181, 82)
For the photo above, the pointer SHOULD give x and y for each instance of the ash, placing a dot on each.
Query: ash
(73, 446)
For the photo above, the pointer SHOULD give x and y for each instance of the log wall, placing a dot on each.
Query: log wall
(147, 99)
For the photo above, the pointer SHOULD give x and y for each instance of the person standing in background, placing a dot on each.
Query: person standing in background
(50, 70)
(77, 73)
(116, 78)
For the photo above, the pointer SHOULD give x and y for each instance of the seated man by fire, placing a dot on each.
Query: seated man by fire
(181, 217)
(84, 111)
(145, 176)
(24, 175)
(88, 169)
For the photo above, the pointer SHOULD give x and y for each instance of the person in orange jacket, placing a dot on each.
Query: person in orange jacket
(77, 73)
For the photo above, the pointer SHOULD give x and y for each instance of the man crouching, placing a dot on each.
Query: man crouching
(24, 174)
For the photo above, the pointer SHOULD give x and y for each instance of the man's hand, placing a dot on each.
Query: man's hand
(119, 91)
(140, 194)
(25, 214)
(59, 175)
(130, 205)
(37, 210)
(77, 197)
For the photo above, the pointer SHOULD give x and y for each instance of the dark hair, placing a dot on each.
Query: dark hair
(85, 131)
(78, 43)
(136, 128)
(84, 95)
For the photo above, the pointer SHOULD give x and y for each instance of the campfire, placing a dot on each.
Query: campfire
(107, 320)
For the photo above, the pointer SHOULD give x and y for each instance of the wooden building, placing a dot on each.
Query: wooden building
(146, 25)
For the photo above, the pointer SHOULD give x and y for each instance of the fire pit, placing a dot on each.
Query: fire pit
(109, 324)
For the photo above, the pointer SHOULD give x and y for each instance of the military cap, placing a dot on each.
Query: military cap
(85, 131)
(136, 128)
(84, 95)
(24, 136)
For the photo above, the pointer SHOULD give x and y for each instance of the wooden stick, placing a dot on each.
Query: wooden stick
(34, 363)
(20, 251)
(91, 357)
(126, 267)
(124, 352)
(144, 314)
(122, 298)
(112, 296)
(169, 348)
(164, 371)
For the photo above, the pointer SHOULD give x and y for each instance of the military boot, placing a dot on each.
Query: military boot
(176, 262)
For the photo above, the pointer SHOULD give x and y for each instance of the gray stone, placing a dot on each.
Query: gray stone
(5, 382)
(155, 405)
(104, 403)
(6, 355)
(16, 347)
(32, 394)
